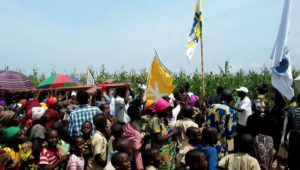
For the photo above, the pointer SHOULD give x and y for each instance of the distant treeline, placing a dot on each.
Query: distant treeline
(224, 78)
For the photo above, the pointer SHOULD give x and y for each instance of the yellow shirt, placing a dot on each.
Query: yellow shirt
(13, 154)
(239, 161)
(182, 139)
(99, 146)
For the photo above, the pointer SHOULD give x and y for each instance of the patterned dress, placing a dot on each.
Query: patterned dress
(263, 146)
(224, 119)
(167, 148)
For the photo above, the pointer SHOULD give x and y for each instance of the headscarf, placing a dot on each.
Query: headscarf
(148, 104)
(53, 116)
(44, 105)
(73, 93)
(32, 103)
(51, 101)
(15, 106)
(6, 116)
(2, 102)
(192, 100)
(23, 102)
(161, 105)
(11, 132)
(37, 113)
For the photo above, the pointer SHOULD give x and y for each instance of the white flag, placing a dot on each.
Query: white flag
(282, 78)
(90, 78)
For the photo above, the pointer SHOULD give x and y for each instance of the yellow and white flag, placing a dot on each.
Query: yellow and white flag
(196, 32)
(160, 81)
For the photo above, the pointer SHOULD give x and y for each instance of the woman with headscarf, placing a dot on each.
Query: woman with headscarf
(9, 118)
(27, 118)
(13, 137)
(51, 113)
(37, 129)
(162, 135)
(132, 132)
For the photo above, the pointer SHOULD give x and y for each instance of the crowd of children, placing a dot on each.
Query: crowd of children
(124, 132)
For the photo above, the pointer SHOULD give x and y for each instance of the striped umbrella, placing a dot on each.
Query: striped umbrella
(58, 81)
(14, 81)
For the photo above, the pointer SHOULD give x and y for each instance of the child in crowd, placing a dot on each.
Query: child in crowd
(86, 129)
(196, 160)
(182, 139)
(200, 119)
(99, 144)
(242, 159)
(62, 146)
(105, 109)
(76, 161)
(120, 161)
(116, 131)
(194, 138)
(152, 159)
(49, 156)
(209, 139)
(123, 145)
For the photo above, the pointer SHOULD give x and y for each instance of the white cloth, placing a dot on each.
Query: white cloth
(175, 113)
(142, 86)
(120, 110)
(109, 166)
(112, 106)
(110, 150)
(190, 94)
(245, 105)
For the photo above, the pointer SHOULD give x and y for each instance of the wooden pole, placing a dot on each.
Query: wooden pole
(202, 68)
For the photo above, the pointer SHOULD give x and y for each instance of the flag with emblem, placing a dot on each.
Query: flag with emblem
(282, 78)
(196, 32)
(160, 81)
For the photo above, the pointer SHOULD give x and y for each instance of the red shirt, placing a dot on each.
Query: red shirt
(48, 157)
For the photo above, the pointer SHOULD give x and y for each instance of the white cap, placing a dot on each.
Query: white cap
(243, 89)
(73, 93)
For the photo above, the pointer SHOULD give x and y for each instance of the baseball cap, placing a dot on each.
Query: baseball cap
(243, 89)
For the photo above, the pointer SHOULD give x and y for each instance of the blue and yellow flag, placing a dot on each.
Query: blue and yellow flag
(196, 32)
(160, 81)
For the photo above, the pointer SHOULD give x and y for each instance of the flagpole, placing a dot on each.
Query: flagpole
(202, 67)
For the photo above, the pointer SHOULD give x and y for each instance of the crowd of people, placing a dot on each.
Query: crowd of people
(117, 130)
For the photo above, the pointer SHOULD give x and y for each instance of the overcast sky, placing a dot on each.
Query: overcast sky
(122, 34)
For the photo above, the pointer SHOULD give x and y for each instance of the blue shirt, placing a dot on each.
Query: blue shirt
(211, 156)
(78, 116)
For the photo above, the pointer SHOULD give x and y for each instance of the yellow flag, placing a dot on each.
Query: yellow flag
(160, 81)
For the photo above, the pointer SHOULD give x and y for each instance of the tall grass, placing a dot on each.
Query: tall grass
(224, 78)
